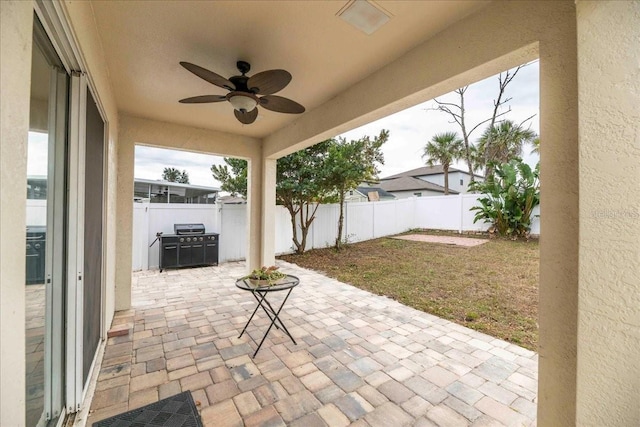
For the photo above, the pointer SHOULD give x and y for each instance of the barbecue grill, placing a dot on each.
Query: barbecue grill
(36, 252)
(189, 246)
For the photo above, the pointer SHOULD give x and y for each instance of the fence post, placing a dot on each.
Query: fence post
(461, 213)
(373, 219)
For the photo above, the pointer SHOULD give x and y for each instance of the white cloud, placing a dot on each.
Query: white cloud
(151, 161)
(412, 128)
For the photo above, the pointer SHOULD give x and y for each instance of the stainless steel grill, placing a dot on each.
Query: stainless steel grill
(190, 246)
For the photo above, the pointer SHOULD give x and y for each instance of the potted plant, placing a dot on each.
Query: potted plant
(265, 276)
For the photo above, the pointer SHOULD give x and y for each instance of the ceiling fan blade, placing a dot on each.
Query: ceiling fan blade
(246, 118)
(281, 105)
(203, 99)
(268, 82)
(209, 76)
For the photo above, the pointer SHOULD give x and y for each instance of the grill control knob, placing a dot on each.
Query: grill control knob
(182, 239)
(28, 246)
(37, 245)
(201, 239)
(188, 239)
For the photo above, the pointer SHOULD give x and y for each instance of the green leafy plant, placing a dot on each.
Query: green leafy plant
(270, 275)
(508, 198)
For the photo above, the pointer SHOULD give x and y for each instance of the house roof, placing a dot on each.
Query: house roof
(158, 187)
(425, 170)
(176, 185)
(409, 183)
(381, 192)
(232, 200)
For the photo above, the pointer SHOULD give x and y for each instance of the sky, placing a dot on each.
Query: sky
(409, 131)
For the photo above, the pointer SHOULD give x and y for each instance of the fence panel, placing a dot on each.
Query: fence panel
(284, 233)
(233, 238)
(324, 228)
(162, 217)
(405, 215)
(469, 201)
(140, 249)
(438, 212)
(535, 222)
(359, 221)
(36, 212)
(384, 218)
(363, 221)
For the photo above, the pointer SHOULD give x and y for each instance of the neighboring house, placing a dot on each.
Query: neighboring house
(157, 191)
(232, 200)
(407, 186)
(427, 181)
(368, 193)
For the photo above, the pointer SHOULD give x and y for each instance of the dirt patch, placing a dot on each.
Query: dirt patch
(446, 240)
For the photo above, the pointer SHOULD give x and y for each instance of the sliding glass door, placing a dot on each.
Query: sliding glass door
(46, 232)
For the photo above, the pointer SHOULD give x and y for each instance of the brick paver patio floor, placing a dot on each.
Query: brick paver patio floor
(361, 359)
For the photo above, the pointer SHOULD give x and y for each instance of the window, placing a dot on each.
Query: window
(461, 181)
(417, 194)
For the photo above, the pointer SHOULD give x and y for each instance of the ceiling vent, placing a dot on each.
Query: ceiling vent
(364, 15)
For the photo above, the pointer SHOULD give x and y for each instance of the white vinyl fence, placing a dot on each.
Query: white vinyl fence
(363, 221)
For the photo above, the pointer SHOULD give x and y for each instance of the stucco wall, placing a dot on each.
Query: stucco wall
(609, 320)
(15, 61)
(93, 62)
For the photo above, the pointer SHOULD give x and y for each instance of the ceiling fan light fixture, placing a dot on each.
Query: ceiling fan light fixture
(242, 101)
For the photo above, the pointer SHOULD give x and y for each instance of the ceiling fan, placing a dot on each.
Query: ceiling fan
(246, 93)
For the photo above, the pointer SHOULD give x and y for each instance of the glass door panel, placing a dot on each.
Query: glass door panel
(45, 257)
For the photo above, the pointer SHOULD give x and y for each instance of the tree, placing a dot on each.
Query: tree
(232, 180)
(457, 113)
(349, 164)
(536, 146)
(174, 175)
(508, 198)
(504, 142)
(301, 186)
(444, 148)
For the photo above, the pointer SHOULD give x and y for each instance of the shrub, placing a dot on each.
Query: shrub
(508, 198)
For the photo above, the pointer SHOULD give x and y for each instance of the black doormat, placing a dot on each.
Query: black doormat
(174, 411)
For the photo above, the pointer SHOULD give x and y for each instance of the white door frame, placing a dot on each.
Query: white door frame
(75, 267)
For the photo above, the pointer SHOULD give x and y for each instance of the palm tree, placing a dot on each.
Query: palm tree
(536, 146)
(504, 142)
(443, 148)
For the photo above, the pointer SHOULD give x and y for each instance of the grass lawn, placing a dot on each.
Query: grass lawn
(492, 288)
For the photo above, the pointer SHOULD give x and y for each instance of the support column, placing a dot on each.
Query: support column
(261, 192)
(16, 23)
(268, 237)
(559, 177)
(608, 377)
(124, 215)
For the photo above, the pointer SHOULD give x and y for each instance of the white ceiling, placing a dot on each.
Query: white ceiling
(144, 42)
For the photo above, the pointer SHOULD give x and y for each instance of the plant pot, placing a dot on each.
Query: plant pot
(265, 282)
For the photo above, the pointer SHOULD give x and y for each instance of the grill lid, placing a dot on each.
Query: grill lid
(188, 228)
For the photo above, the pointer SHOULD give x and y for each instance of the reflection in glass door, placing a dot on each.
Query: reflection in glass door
(45, 233)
